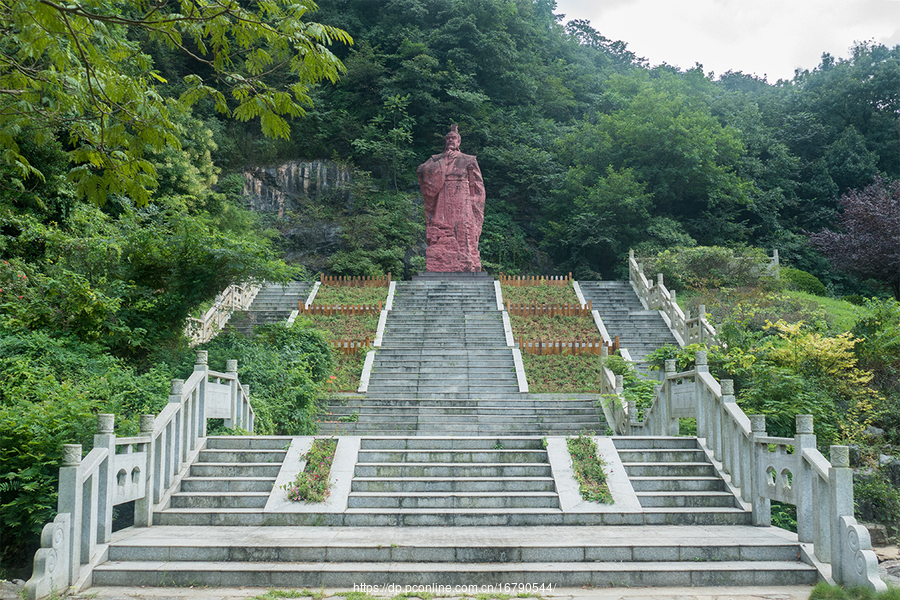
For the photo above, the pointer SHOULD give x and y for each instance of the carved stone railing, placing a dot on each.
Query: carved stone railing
(145, 469)
(235, 297)
(688, 330)
(765, 468)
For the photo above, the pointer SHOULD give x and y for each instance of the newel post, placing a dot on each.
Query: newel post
(803, 478)
(665, 403)
(730, 437)
(143, 507)
(106, 476)
(70, 501)
(701, 315)
(762, 506)
(840, 477)
(235, 401)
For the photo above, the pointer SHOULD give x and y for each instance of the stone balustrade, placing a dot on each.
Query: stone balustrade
(766, 468)
(235, 297)
(144, 469)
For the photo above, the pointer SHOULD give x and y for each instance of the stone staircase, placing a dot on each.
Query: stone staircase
(640, 331)
(444, 369)
(449, 512)
(674, 474)
(273, 304)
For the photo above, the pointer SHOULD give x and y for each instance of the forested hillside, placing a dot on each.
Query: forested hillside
(124, 131)
(587, 151)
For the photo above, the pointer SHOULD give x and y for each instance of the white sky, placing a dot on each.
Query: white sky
(764, 37)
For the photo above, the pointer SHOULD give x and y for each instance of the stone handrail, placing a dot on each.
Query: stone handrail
(689, 330)
(145, 469)
(765, 468)
(235, 297)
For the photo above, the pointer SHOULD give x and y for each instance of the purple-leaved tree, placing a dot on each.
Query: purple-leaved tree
(868, 243)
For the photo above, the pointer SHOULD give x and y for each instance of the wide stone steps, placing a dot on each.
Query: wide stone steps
(272, 304)
(673, 472)
(640, 331)
(338, 557)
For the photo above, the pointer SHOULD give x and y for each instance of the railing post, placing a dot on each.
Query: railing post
(762, 506)
(106, 476)
(198, 411)
(234, 420)
(665, 405)
(70, 501)
(701, 315)
(840, 478)
(731, 440)
(171, 448)
(803, 479)
(143, 507)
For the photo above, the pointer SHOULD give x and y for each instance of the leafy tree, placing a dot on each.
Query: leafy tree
(78, 71)
(868, 243)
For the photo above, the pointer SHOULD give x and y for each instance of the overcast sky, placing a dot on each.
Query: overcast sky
(764, 37)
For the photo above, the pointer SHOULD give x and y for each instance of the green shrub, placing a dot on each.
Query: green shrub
(286, 369)
(51, 390)
(803, 281)
(588, 467)
(854, 299)
(708, 267)
(313, 484)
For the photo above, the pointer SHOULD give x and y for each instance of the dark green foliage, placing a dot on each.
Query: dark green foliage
(588, 467)
(51, 390)
(708, 267)
(285, 367)
(874, 495)
(803, 281)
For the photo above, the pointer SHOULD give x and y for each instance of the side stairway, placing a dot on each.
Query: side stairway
(640, 331)
(273, 304)
(450, 512)
(444, 369)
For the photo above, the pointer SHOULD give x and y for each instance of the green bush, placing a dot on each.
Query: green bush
(51, 390)
(708, 267)
(285, 367)
(803, 281)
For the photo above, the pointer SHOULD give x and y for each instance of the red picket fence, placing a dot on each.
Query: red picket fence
(347, 281)
(349, 346)
(548, 310)
(328, 310)
(543, 347)
(529, 280)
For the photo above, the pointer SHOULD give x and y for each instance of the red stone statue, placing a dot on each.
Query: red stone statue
(453, 190)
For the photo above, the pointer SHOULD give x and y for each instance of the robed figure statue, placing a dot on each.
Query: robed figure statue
(453, 190)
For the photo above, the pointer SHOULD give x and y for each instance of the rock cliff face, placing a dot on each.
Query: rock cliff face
(282, 188)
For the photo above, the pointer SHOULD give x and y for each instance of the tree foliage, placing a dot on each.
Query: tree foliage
(868, 242)
(79, 71)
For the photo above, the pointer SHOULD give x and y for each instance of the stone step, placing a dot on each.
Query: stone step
(219, 500)
(449, 517)
(661, 484)
(640, 544)
(241, 456)
(452, 484)
(227, 484)
(467, 500)
(252, 470)
(494, 455)
(662, 442)
(670, 469)
(653, 455)
(685, 499)
(449, 469)
(235, 442)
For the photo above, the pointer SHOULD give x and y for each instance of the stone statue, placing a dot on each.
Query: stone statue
(453, 190)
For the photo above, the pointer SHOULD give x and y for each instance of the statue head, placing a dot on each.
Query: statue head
(453, 139)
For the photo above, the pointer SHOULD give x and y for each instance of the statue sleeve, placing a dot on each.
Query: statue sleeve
(431, 180)
(476, 192)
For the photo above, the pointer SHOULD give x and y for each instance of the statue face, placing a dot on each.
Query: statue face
(452, 143)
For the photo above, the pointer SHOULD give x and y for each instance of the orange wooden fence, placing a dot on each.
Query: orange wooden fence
(566, 347)
(349, 346)
(346, 281)
(520, 309)
(528, 280)
(327, 310)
